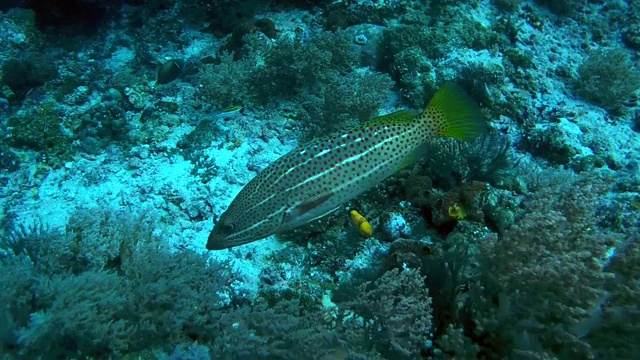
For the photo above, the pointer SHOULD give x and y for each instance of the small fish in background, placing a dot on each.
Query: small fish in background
(225, 114)
(361, 223)
(317, 178)
(230, 112)
(168, 71)
(234, 109)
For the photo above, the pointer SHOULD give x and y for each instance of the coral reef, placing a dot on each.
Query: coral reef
(522, 243)
(608, 77)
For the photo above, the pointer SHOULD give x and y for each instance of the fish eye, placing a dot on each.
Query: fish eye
(228, 228)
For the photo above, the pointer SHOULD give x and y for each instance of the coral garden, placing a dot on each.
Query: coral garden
(129, 126)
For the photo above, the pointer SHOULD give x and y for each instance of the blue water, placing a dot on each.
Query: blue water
(129, 127)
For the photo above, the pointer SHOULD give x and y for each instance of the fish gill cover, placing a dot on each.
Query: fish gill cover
(520, 243)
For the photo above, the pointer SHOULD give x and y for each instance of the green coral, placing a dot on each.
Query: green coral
(154, 124)
(550, 143)
(344, 100)
(631, 34)
(193, 145)
(107, 287)
(103, 287)
(316, 76)
(452, 163)
(543, 275)
(41, 129)
(607, 78)
(415, 74)
(227, 82)
(23, 75)
(395, 309)
(235, 43)
(507, 5)
(563, 7)
(519, 58)
(50, 327)
(614, 330)
(342, 14)
(293, 66)
(412, 52)
(538, 289)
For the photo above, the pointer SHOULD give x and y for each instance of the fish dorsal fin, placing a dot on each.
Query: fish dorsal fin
(398, 117)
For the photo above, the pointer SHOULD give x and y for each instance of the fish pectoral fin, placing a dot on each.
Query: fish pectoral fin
(413, 157)
(408, 160)
(306, 208)
(325, 213)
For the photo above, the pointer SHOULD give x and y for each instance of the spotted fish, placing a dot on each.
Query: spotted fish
(317, 178)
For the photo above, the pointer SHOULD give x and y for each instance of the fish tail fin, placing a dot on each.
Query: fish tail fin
(452, 113)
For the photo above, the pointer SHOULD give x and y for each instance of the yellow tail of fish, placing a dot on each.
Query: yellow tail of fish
(452, 113)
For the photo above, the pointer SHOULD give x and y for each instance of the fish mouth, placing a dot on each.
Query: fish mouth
(215, 244)
(217, 241)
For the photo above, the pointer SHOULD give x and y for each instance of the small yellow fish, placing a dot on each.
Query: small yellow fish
(457, 211)
(361, 224)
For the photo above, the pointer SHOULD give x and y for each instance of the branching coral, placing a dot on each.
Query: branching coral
(544, 273)
(607, 78)
(103, 288)
(396, 313)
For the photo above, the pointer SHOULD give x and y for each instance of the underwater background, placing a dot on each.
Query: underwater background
(129, 126)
